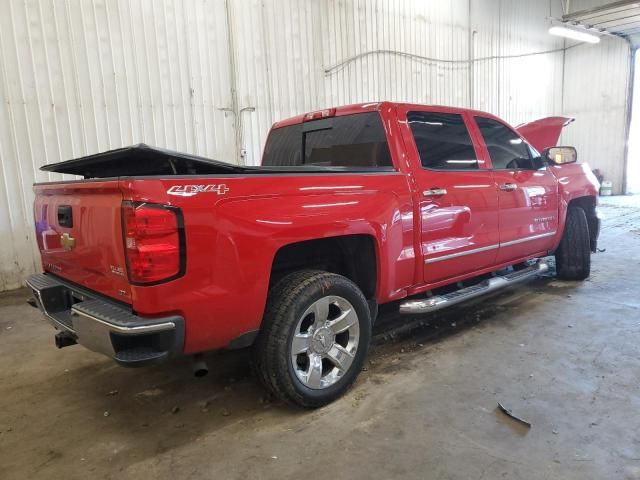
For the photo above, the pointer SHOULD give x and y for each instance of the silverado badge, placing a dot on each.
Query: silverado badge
(67, 241)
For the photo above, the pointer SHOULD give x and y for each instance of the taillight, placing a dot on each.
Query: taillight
(153, 242)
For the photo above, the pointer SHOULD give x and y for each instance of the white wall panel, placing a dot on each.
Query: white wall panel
(595, 93)
(81, 76)
(295, 56)
(210, 76)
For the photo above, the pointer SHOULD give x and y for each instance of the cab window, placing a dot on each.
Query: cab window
(507, 150)
(443, 141)
(355, 141)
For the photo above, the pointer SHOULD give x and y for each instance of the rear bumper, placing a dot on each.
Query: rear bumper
(106, 327)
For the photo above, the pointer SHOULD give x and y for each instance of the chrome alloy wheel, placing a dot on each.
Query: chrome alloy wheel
(325, 342)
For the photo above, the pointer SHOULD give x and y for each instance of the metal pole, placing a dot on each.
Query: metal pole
(631, 77)
(237, 123)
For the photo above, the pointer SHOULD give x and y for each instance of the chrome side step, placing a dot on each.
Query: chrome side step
(431, 304)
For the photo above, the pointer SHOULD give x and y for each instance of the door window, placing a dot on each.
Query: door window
(443, 141)
(506, 149)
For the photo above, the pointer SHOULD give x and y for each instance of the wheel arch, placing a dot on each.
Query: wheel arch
(354, 256)
(589, 204)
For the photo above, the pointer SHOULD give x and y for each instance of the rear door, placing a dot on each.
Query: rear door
(527, 192)
(457, 200)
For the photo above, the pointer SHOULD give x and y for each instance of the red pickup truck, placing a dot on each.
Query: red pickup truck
(156, 254)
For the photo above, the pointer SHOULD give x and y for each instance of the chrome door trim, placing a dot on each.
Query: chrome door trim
(461, 254)
(489, 247)
(527, 239)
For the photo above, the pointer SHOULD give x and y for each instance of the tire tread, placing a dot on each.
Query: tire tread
(573, 256)
(269, 361)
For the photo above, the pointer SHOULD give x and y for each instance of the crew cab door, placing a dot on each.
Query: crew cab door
(454, 193)
(527, 192)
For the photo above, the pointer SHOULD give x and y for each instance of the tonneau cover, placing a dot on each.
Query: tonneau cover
(141, 159)
(145, 160)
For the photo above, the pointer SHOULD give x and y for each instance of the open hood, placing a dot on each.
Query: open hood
(545, 132)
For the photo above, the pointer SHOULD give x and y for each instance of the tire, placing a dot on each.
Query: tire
(573, 256)
(309, 310)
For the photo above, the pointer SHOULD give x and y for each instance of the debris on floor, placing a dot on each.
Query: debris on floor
(509, 413)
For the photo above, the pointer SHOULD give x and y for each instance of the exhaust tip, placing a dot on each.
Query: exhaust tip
(200, 368)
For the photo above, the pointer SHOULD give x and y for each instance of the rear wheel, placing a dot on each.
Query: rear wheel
(573, 257)
(314, 338)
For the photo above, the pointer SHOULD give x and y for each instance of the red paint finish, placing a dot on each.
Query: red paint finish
(462, 220)
(232, 234)
(97, 258)
(232, 240)
(528, 213)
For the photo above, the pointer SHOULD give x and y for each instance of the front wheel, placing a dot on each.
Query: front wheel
(314, 338)
(573, 256)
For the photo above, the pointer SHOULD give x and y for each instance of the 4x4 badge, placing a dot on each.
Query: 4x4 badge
(191, 190)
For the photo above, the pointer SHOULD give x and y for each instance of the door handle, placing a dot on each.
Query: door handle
(435, 192)
(508, 187)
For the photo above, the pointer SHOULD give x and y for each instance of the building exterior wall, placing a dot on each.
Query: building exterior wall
(209, 77)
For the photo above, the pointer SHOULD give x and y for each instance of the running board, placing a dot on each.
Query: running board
(436, 302)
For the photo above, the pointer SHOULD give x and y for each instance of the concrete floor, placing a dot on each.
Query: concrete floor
(565, 356)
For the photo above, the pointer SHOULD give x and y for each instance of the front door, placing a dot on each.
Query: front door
(527, 192)
(457, 200)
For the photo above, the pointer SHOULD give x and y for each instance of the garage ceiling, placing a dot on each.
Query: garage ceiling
(617, 18)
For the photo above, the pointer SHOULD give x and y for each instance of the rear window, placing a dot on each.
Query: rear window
(350, 141)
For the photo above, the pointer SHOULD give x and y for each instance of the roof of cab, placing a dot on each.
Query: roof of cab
(372, 107)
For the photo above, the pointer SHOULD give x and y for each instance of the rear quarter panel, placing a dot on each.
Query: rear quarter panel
(232, 239)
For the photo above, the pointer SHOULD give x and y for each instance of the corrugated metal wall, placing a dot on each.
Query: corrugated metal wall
(294, 56)
(596, 92)
(210, 76)
(79, 77)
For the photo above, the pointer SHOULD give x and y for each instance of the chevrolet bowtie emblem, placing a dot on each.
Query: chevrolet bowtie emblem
(67, 241)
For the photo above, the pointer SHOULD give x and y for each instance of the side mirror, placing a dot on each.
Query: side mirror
(560, 155)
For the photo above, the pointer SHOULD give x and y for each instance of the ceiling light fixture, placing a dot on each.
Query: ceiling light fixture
(574, 34)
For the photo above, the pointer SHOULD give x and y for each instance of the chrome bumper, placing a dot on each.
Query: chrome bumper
(105, 326)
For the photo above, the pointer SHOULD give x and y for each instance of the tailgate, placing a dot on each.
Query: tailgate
(79, 234)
